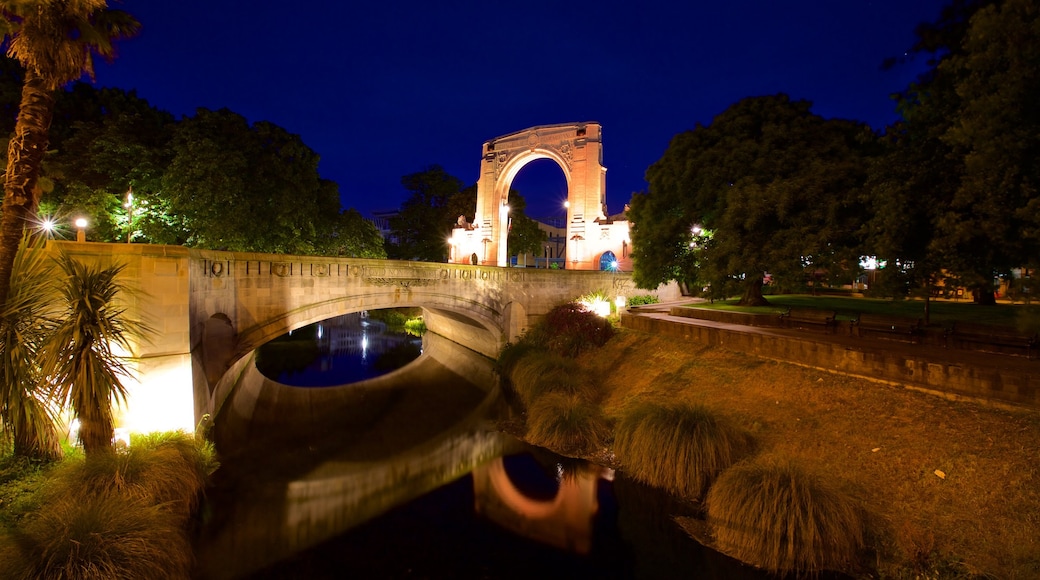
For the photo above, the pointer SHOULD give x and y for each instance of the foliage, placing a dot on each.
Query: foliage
(525, 237)
(568, 424)
(241, 187)
(569, 330)
(773, 184)
(641, 299)
(425, 220)
(27, 414)
(55, 42)
(79, 356)
(678, 447)
(783, 518)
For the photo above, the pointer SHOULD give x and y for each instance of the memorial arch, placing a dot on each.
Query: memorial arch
(577, 149)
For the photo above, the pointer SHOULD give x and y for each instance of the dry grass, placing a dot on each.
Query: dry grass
(781, 517)
(568, 424)
(538, 373)
(99, 538)
(983, 515)
(681, 448)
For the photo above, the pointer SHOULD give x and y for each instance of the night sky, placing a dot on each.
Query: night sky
(383, 89)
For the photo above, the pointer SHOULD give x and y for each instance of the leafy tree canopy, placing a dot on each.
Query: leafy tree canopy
(766, 187)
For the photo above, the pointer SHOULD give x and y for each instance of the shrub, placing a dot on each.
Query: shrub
(98, 538)
(538, 373)
(641, 299)
(569, 330)
(568, 425)
(782, 518)
(679, 448)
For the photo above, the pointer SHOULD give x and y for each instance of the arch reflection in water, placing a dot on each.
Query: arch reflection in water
(340, 350)
(563, 521)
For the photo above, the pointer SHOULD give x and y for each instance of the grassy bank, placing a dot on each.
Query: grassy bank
(792, 468)
(948, 489)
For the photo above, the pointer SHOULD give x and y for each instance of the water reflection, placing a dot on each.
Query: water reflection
(405, 476)
(339, 350)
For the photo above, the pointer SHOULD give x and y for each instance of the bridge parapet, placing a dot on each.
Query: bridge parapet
(211, 309)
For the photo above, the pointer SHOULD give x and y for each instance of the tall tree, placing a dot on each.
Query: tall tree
(993, 220)
(247, 187)
(55, 41)
(420, 229)
(775, 187)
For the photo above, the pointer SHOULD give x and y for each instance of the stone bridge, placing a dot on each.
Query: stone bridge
(209, 310)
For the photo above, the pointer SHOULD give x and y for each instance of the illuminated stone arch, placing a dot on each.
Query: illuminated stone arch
(577, 149)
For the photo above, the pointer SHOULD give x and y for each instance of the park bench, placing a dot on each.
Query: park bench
(808, 318)
(1000, 339)
(897, 327)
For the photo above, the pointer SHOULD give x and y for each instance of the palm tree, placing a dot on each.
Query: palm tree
(79, 355)
(55, 41)
(26, 412)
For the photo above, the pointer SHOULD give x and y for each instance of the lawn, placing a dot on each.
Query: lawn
(942, 311)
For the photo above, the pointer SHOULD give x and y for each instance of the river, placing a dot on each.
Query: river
(405, 476)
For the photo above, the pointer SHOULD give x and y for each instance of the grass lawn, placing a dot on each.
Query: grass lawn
(942, 311)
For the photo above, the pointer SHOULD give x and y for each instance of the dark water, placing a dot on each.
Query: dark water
(407, 478)
(337, 351)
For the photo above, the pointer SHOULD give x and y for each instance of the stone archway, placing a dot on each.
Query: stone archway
(577, 149)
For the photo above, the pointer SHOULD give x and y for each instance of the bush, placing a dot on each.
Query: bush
(679, 448)
(538, 373)
(782, 518)
(641, 300)
(568, 425)
(569, 330)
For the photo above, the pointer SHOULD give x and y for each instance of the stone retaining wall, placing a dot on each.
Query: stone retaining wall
(996, 385)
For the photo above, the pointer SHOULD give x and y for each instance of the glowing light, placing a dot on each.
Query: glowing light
(620, 302)
(81, 222)
(597, 305)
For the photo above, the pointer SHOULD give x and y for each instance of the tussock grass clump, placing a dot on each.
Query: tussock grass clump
(679, 448)
(568, 424)
(540, 373)
(99, 538)
(513, 353)
(778, 516)
(168, 469)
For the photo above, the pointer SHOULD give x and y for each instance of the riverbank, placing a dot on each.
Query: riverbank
(949, 486)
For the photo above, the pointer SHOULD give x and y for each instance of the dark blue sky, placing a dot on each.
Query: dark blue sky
(383, 89)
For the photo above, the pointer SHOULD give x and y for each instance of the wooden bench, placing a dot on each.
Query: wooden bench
(1001, 338)
(898, 327)
(808, 318)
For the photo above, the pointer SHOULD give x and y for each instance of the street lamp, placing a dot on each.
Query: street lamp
(129, 205)
(81, 231)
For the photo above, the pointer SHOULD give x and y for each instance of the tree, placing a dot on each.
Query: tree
(79, 355)
(26, 319)
(249, 188)
(55, 41)
(525, 237)
(775, 189)
(420, 229)
(353, 236)
(992, 222)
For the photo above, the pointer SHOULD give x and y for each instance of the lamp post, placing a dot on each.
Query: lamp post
(129, 205)
(81, 230)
